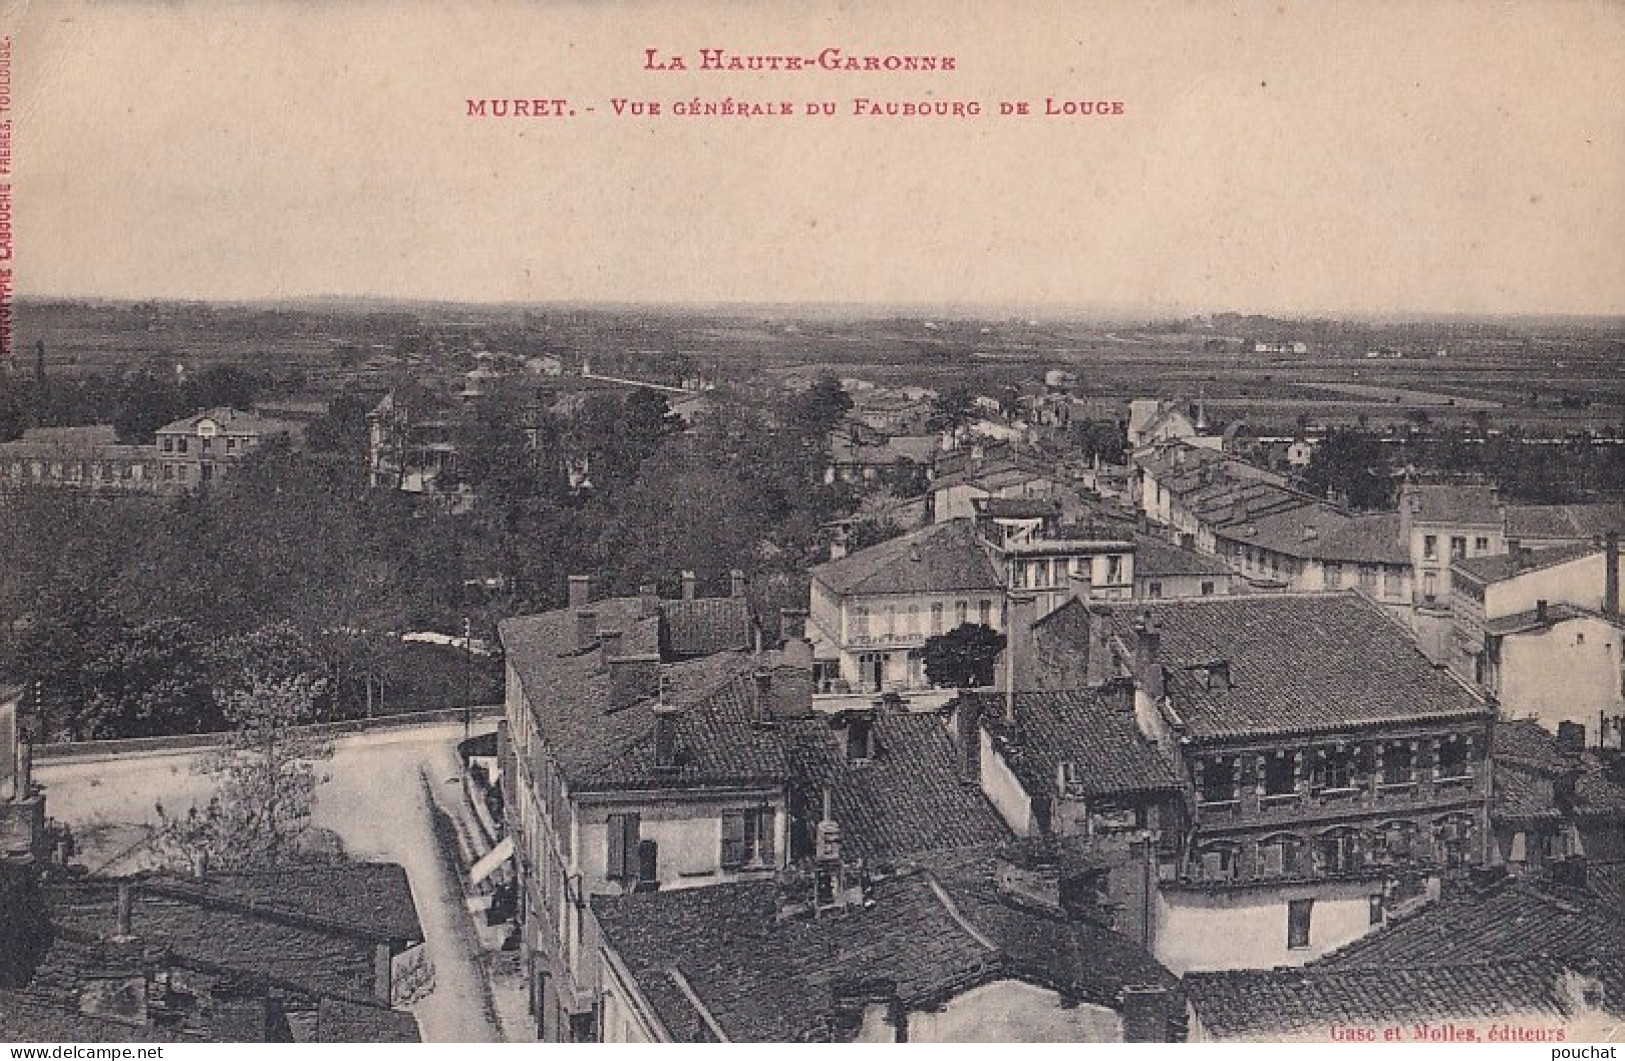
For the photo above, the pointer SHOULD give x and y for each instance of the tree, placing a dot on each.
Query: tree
(816, 411)
(952, 409)
(962, 658)
(265, 782)
(1352, 465)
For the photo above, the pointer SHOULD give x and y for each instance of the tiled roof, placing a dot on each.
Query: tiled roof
(1449, 503)
(1299, 663)
(1320, 532)
(343, 1021)
(764, 979)
(1577, 522)
(905, 800)
(27, 1019)
(1018, 507)
(1486, 569)
(318, 960)
(942, 558)
(1527, 743)
(370, 899)
(705, 625)
(1526, 622)
(1310, 1002)
(233, 421)
(88, 435)
(1157, 558)
(1513, 921)
(1086, 727)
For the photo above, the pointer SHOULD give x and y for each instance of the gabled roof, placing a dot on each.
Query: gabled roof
(1531, 621)
(1155, 557)
(371, 899)
(934, 935)
(907, 799)
(705, 625)
(232, 421)
(1487, 569)
(1310, 1002)
(1089, 728)
(1576, 522)
(1513, 921)
(1299, 663)
(941, 558)
(1453, 504)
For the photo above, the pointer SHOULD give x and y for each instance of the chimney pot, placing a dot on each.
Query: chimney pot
(580, 591)
(689, 580)
(609, 644)
(1541, 613)
(648, 600)
(665, 737)
(736, 583)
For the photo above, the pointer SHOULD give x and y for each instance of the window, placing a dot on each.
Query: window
(622, 861)
(231, 444)
(1155, 591)
(1278, 857)
(1218, 863)
(860, 621)
(1398, 764)
(1297, 923)
(1430, 546)
(1481, 544)
(911, 624)
(1452, 762)
(169, 444)
(207, 472)
(1280, 775)
(1336, 851)
(1368, 580)
(1207, 589)
(961, 613)
(1114, 569)
(984, 612)
(169, 471)
(747, 838)
(208, 445)
(891, 620)
(1333, 771)
(180, 444)
(1219, 781)
(648, 878)
(936, 618)
(1458, 548)
(1376, 909)
(1430, 585)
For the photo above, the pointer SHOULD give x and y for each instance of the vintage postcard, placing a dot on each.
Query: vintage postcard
(1038, 521)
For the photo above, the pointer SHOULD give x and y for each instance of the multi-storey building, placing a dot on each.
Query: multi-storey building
(1440, 524)
(82, 458)
(1500, 608)
(871, 611)
(1331, 773)
(207, 447)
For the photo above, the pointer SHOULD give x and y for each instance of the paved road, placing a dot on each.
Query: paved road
(376, 801)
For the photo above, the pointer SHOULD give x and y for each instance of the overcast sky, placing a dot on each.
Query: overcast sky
(1289, 157)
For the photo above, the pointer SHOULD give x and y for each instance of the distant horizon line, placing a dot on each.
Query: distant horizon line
(973, 310)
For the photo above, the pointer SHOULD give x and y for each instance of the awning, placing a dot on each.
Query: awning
(493, 858)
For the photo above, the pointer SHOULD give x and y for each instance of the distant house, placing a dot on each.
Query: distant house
(1541, 631)
(1164, 570)
(79, 458)
(871, 611)
(209, 446)
(1440, 524)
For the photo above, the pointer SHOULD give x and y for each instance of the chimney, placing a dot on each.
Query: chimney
(648, 600)
(1541, 613)
(1098, 652)
(968, 739)
(1023, 612)
(666, 737)
(792, 624)
(126, 905)
(1610, 593)
(1035, 884)
(1147, 653)
(633, 678)
(1145, 1014)
(586, 630)
(1571, 737)
(736, 583)
(609, 645)
(580, 591)
(688, 585)
(763, 699)
(859, 726)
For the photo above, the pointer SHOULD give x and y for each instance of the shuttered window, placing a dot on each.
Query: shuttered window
(747, 838)
(621, 860)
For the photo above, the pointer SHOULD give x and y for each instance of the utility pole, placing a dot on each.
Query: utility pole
(468, 674)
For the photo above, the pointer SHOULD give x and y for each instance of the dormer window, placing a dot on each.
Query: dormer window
(747, 838)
